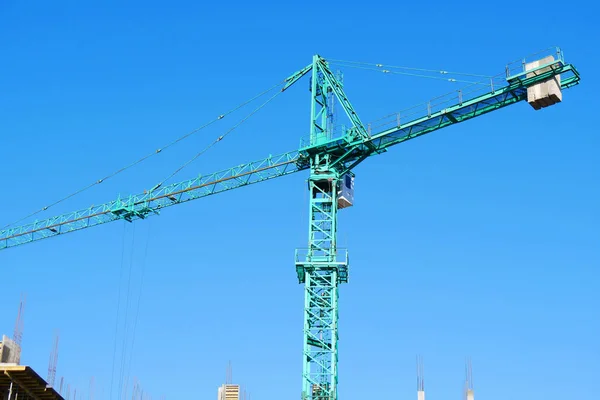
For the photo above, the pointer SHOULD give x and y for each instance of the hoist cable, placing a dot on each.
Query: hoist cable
(137, 312)
(126, 327)
(112, 376)
(159, 150)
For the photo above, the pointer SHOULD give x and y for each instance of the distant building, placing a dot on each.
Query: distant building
(10, 351)
(229, 392)
(20, 381)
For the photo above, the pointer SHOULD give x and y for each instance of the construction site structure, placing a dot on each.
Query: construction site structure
(52, 362)
(229, 391)
(330, 157)
(469, 391)
(18, 332)
(10, 351)
(420, 379)
(20, 381)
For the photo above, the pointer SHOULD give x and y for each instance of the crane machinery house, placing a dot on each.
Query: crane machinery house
(346, 191)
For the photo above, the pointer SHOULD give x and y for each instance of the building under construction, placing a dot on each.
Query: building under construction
(19, 381)
(229, 392)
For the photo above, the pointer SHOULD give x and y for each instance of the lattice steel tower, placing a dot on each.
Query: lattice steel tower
(322, 266)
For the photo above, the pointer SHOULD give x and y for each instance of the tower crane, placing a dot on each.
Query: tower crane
(330, 160)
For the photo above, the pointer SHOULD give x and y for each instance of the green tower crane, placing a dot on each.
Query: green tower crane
(330, 159)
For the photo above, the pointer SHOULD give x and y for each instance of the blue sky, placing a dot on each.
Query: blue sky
(478, 240)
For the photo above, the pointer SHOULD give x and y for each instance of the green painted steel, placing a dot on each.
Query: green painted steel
(294, 78)
(319, 267)
(357, 130)
(320, 270)
(322, 266)
(349, 151)
(318, 109)
(346, 153)
(148, 203)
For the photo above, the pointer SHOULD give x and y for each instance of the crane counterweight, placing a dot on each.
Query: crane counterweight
(546, 93)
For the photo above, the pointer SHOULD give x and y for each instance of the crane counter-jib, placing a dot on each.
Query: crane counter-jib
(498, 98)
(350, 152)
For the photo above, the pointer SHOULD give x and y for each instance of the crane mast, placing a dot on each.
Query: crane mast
(319, 267)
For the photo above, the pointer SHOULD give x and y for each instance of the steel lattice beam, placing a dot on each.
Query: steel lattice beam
(148, 203)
